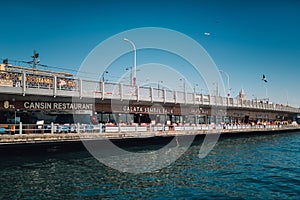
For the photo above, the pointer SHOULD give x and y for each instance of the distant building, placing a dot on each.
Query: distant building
(242, 95)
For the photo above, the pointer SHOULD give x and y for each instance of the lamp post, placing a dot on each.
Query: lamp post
(287, 98)
(183, 79)
(228, 86)
(134, 66)
(217, 88)
(105, 72)
(130, 68)
(195, 87)
(158, 87)
(266, 89)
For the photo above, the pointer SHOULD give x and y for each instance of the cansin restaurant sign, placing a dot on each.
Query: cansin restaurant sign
(57, 106)
(40, 105)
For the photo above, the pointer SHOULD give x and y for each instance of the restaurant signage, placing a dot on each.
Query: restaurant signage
(7, 83)
(39, 79)
(13, 79)
(41, 105)
(57, 106)
(147, 109)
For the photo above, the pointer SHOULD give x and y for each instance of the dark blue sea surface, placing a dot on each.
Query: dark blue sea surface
(247, 167)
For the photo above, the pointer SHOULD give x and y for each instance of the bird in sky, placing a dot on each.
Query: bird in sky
(264, 78)
(207, 33)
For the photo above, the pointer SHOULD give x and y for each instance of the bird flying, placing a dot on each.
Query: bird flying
(264, 78)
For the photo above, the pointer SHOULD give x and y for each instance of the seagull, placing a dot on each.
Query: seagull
(264, 78)
(207, 33)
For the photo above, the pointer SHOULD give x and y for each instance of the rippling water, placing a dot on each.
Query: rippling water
(251, 167)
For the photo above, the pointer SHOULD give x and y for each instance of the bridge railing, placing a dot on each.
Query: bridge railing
(9, 129)
(35, 83)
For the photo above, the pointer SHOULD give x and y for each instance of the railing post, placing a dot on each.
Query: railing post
(102, 89)
(100, 131)
(54, 86)
(121, 91)
(78, 128)
(52, 127)
(24, 83)
(80, 87)
(20, 128)
(175, 96)
(151, 94)
(137, 93)
(165, 95)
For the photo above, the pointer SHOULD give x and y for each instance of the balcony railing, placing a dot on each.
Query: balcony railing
(30, 83)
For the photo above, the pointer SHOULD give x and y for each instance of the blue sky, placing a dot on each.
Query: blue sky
(247, 38)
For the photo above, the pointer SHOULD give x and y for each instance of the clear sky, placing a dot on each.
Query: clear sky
(247, 38)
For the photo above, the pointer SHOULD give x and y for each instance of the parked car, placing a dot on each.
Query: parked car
(63, 129)
(2, 130)
(47, 128)
(73, 128)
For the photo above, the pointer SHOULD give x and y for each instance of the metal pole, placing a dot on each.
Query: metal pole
(103, 79)
(228, 86)
(287, 97)
(130, 76)
(183, 79)
(266, 89)
(134, 67)
(184, 85)
(195, 88)
(158, 87)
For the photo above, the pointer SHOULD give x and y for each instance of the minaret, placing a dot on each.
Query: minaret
(242, 94)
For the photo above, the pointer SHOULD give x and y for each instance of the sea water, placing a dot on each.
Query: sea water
(247, 167)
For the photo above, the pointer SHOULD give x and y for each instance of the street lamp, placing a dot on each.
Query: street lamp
(158, 87)
(105, 72)
(266, 89)
(228, 87)
(195, 87)
(183, 79)
(158, 84)
(287, 97)
(217, 88)
(130, 68)
(134, 66)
